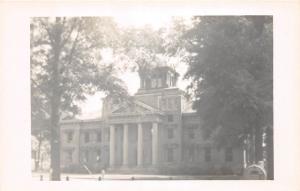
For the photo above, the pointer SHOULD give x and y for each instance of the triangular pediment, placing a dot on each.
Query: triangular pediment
(136, 107)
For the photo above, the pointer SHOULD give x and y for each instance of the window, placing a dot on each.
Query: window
(207, 154)
(69, 136)
(170, 118)
(170, 154)
(228, 155)
(177, 103)
(163, 103)
(170, 103)
(170, 133)
(86, 137)
(70, 156)
(191, 133)
(99, 138)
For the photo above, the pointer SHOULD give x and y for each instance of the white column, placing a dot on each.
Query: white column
(112, 146)
(154, 132)
(125, 145)
(140, 145)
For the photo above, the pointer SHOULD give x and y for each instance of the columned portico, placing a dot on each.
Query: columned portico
(137, 149)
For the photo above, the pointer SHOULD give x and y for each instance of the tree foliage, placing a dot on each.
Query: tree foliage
(80, 73)
(142, 49)
(231, 68)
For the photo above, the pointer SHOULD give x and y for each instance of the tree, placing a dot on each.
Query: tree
(65, 55)
(40, 148)
(231, 68)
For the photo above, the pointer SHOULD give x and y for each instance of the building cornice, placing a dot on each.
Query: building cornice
(81, 121)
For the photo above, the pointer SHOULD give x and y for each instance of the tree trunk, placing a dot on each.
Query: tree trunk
(55, 144)
(55, 102)
(37, 161)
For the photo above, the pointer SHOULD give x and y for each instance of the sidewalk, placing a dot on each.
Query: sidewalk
(94, 177)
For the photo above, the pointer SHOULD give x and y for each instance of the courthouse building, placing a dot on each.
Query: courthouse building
(156, 132)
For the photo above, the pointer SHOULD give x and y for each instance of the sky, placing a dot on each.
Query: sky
(92, 107)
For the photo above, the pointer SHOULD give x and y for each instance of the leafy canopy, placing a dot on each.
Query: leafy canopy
(142, 49)
(231, 68)
(77, 42)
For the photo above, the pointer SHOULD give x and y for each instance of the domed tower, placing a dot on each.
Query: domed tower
(157, 85)
(158, 78)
